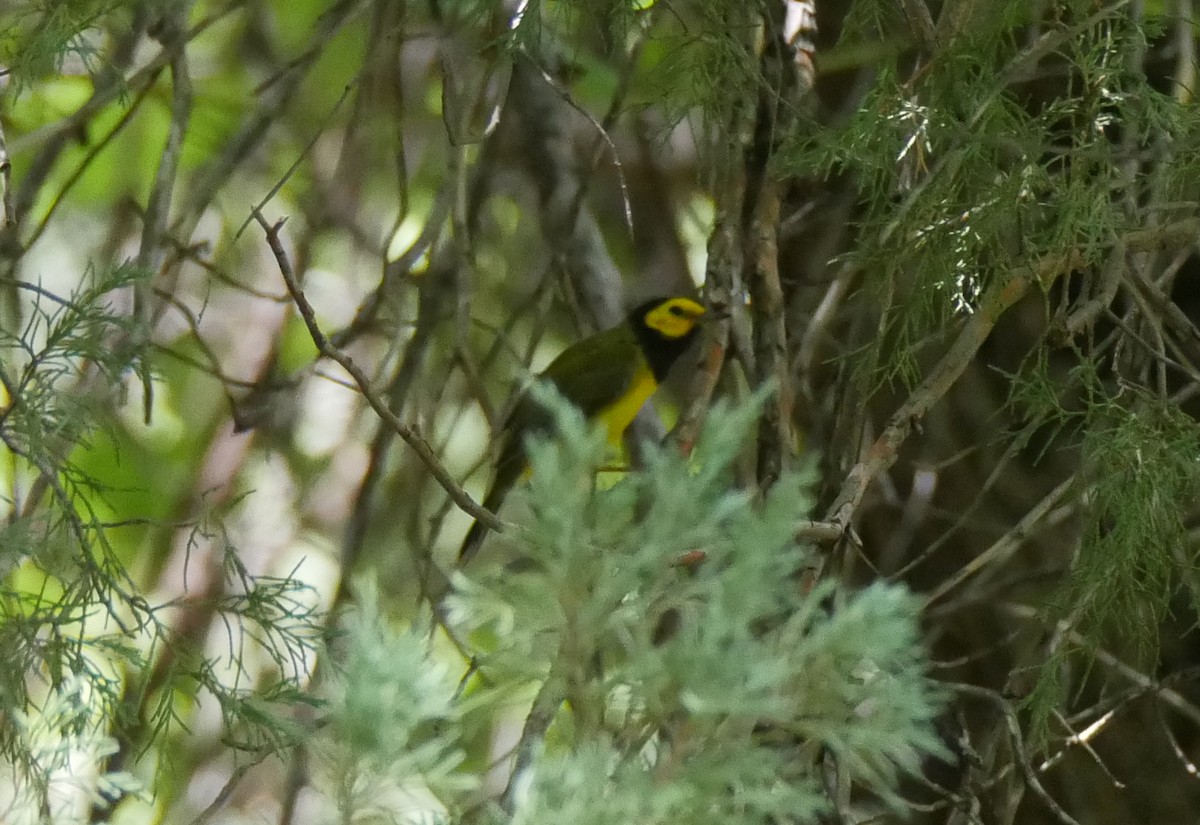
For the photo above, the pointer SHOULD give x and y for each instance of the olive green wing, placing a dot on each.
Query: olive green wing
(597, 371)
(592, 374)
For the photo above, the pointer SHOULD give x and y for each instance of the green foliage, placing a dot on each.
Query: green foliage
(1142, 476)
(705, 63)
(598, 785)
(394, 718)
(76, 632)
(719, 682)
(697, 59)
(37, 36)
(963, 181)
(65, 728)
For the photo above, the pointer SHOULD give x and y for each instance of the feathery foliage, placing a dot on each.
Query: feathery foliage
(75, 628)
(720, 681)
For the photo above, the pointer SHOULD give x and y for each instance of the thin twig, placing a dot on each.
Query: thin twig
(6, 197)
(1151, 685)
(86, 164)
(545, 705)
(158, 206)
(574, 236)
(223, 796)
(1083, 739)
(248, 139)
(822, 532)
(378, 404)
(601, 132)
(300, 157)
(1185, 63)
(1018, 746)
(1006, 545)
(884, 451)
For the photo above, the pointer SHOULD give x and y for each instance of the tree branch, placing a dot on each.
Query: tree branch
(378, 404)
(883, 452)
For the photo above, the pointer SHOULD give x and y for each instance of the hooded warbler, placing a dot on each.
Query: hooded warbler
(609, 376)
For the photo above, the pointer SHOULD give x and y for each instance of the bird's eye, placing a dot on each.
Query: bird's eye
(675, 310)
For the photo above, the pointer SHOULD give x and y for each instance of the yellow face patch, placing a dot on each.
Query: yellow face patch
(674, 318)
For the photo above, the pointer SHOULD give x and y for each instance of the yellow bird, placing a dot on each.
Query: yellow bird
(609, 376)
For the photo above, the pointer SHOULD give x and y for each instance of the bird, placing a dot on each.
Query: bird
(608, 376)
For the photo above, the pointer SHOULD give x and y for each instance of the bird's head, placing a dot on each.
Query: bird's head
(669, 318)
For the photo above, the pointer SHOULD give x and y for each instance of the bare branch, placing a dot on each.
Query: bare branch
(1018, 745)
(326, 349)
(549, 699)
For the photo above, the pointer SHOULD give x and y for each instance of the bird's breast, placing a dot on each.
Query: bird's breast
(620, 414)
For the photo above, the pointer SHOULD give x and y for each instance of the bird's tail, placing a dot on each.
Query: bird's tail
(492, 501)
(470, 545)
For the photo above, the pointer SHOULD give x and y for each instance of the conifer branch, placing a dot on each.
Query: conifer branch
(995, 302)
(882, 453)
